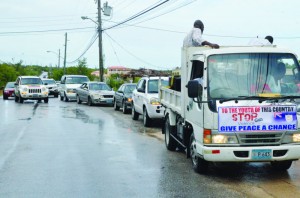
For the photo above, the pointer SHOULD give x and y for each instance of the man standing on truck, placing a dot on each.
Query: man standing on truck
(194, 37)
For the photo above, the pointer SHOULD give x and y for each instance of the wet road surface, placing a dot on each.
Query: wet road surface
(62, 149)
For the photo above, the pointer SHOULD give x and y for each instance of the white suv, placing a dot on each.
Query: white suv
(68, 85)
(30, 88)
(145, 99)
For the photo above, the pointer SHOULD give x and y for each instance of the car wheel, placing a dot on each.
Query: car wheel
(124, 108)
(21, 100)
(5, 97)
(90, 103)
(116, 107)
(46, 100)
(56, 95)
(281, 165)
(146, 118)
(78, 99)
(199, 164)
(170, 142)
(134, 114)
(61, 98)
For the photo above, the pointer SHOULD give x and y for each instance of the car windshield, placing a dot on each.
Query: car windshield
(259, 74)
(129, 88)
(31, 81)
(99, 86)
(10, 85)
(153, 85)
(49, 81)
(76, 80)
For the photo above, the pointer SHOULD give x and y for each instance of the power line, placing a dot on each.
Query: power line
(39, 31)
(136, 15)
(132, 53)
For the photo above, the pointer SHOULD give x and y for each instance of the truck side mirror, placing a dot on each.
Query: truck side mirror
(194, 89)
(141, 90)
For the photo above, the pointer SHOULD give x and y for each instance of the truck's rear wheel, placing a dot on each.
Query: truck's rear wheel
(281, 165)
(199, 164)
(169, 140)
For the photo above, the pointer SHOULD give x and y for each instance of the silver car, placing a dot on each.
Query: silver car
(95, 93)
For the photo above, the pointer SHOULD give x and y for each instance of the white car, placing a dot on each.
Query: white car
(68, 84)
(52, 86)
(145, 99)
(30, 88)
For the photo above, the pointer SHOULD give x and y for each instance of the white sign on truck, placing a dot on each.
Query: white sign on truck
(246, 109)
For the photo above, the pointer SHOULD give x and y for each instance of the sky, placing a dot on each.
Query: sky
(30, 28)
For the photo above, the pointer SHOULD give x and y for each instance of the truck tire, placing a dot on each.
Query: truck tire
(116, 107)
(66, 98)
(146, 119)
(134, 114)
(281, 165)
(199, 164)
(171, 144)
(16, 98)
(46, 100)
(78, 99)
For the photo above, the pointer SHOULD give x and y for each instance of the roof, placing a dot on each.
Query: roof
(117, 67)
(29, 77)
(232, 50)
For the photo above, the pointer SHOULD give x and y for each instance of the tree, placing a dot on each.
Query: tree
(7, 74)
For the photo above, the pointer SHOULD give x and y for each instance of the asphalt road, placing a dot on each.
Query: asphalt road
(62, 149)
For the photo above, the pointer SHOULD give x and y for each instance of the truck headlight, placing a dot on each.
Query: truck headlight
(129, 99)
(296, 137)
(70, 91)
(25, 89)
(224, 139)
(44, 89)
(154, 101)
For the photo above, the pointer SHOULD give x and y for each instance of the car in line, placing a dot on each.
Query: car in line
(30, 88)
(123, 97)
(95, 93)
(145, 99)
(52, 86)
(9, 90)
(68, 85)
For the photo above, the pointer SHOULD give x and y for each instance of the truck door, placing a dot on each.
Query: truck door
(194, 109)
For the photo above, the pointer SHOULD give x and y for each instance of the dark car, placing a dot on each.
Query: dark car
(9, 90)
(123, 97)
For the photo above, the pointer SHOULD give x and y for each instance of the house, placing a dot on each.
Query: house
(117, 70)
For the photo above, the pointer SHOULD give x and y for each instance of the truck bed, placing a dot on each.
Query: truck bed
(170, 99)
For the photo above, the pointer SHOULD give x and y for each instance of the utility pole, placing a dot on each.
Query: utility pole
(65, 58)
(101, 70)
(58, 58)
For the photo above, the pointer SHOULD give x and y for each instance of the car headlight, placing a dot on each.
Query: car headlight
(224, 139)
(154, 101)
(70, 91)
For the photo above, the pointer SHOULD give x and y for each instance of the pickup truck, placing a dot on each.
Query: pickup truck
(246, 109)
(145, 99)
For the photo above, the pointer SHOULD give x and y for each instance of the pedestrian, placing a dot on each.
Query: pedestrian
(267, 41)
(194, 37)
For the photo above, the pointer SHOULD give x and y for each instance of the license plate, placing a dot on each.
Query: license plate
(262, 154)
(35, 95)
(109, 101)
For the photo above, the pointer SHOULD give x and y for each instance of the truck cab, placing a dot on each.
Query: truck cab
(244, 111)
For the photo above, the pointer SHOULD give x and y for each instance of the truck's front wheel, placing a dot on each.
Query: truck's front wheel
(199, 164)
(169, 140)
(281, 165)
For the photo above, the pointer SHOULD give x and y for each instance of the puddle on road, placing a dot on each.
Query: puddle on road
(81, 115)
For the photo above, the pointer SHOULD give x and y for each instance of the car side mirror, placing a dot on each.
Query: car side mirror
(141, 90)
(46, 84)
(16, 84)
(194, 89)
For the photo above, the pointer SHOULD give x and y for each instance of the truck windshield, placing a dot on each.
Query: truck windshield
(153, 85)
(76, 80)
(32, 81)
(253, 74)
